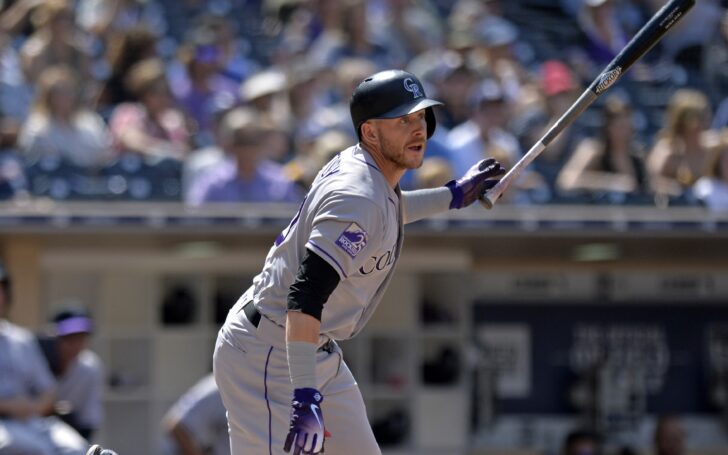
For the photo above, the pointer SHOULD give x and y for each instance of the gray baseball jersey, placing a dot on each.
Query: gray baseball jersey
(82, 386)
(352, 219)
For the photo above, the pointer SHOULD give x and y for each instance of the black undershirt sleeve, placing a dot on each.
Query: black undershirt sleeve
(315, 281)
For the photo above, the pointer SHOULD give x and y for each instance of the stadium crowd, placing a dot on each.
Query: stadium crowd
(244, 100)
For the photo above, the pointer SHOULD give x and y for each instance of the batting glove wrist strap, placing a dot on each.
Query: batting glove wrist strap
(306, 431)
(473, 185)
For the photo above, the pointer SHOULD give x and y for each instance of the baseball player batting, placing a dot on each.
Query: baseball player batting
(280, 372)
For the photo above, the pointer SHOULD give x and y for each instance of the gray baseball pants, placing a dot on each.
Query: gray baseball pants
(251, 371)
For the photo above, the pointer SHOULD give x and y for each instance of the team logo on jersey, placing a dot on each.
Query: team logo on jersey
(412, 87)
(352, 240)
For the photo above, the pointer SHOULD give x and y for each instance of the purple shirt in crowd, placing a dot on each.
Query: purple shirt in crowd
(222, 184)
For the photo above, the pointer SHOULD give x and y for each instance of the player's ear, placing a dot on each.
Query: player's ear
(367, 132)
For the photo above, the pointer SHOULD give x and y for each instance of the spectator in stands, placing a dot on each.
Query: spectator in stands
(669, 436)
(715, 65)
(77, 369)
(682, 152)
(305, 166)
(15, 17)
(712, 188)
(235, 64)
(305, 101)
(151, 126)
(612, 162)
(484, 132)
(13, 182)
(204, 158)
(265, 91)
(605, 36)
(204, 85)
(452, 78)
(433, 173)
(106, 18)
(350, 38)
(581, 442)
(347, 75)
(687, 38)
(60, 126)
(409, 27)
(197, 423)
(245, 175)
(16, 94)
(123, 51)
(495, 38)
(559, 92)
(55, 42)
(28, 392)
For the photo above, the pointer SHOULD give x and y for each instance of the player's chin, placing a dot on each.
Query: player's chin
(414, 156)
(413, 162)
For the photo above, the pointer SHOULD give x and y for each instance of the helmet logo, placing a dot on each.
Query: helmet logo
(412, 87)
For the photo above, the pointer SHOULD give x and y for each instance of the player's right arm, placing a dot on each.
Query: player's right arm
(343, 230)
(315, 282)
(39, 378)
(24, 408)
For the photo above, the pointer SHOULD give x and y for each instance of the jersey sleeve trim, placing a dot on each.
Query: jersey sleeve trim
(328, 257)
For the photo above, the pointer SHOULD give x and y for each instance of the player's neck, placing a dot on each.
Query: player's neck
(391, 171)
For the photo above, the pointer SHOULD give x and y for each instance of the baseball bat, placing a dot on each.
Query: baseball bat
(648, 36)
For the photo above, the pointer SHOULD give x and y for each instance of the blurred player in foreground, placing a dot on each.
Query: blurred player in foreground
(77, 370)
(196, 424)
(28, 393)
(279, 370)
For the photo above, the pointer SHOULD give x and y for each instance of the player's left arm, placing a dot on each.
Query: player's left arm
(456, 194)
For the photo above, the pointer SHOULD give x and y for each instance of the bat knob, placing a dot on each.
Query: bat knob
(486, 202)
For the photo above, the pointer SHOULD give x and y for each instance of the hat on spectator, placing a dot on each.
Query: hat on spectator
(460, 38)
(595, 3)
(266, 82)
(72, 320)
(144, 76)
(200, 47)
(488, 91)
(300, 71)
(437, 65)
(556, 78)
(495, 31)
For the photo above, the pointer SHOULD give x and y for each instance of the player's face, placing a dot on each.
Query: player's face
(72, 345)
(402, 140)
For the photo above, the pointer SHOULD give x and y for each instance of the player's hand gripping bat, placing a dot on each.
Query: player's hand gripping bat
(642, 42)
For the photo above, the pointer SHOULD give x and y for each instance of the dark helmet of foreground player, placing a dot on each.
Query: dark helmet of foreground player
(390, 94)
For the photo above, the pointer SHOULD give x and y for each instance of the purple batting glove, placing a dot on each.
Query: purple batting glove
(306, 432)
(479, 179)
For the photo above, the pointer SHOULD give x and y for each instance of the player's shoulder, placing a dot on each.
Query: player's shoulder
(352, 172)
(90, 361)
(16, 332)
